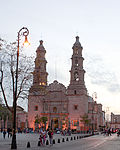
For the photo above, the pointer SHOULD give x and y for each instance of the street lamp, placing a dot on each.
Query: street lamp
(22, 32)
(93, 117)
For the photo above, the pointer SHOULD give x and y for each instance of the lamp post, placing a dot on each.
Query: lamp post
(93, 117)
(22, 32)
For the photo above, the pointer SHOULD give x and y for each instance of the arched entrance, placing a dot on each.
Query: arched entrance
(55, 123)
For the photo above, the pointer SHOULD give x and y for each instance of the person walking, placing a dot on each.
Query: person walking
(50, 134)
(109, 132)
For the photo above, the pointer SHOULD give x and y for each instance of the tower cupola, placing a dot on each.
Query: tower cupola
(77, 48)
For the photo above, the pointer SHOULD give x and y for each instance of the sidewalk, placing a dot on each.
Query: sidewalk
(33, 138)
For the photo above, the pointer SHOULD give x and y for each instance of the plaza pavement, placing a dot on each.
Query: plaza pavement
(33, 138)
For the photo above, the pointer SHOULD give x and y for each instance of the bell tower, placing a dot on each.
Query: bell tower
(76, 91)
(39, 74)
(38, 89)
(77, 84)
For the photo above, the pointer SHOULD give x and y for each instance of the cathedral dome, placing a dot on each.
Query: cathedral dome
(56, 86)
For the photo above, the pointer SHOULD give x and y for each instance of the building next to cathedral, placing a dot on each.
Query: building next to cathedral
(63, 107)
(115, 121)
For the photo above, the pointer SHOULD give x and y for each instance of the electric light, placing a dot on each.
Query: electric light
(26, 43)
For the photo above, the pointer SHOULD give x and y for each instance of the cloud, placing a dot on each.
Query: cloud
(100, 74)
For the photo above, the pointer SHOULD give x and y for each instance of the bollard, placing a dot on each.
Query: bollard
(53, 141)
(28, 145)
(58, 140)
(77, 137)
(67, 139)
(63, 140)
(74, 138)
(47, 142)
(39, 143)
(71, 138)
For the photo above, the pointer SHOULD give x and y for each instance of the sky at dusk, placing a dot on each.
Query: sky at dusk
(57, 23)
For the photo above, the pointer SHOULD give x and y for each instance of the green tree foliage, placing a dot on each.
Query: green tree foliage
(5, 114)
(44, 120)
(85, 120)
(37, 119)
(41, 120)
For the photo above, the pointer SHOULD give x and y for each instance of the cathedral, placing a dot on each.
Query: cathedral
(63, 106)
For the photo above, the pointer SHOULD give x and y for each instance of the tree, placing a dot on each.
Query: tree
(41, 120)
(85, 120)
(8, 72)
(44, 120)
(37, 122)
(5, 115)
(64, 121)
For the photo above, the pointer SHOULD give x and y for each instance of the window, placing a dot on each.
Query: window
(115, 120)
(36, 108)
(76, 76)
(55, 95)
(46, 107)
(75, 92)
(54, 109)
(42, 83)
(76, 62)
(64, 107)
(75, 107)
(76, 50)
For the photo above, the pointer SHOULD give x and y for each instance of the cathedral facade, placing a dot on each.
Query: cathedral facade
(63, 106)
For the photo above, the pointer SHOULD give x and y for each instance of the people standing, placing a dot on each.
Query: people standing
(4, 133)
(50, 134)
(43, 132)
(109, 132)
(41, 137)
(8, 131)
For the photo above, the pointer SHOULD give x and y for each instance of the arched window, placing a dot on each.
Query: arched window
(76, 76)
(54, 109)
(75, 92)
(75, 107)
(64, 107)
(36, 108)
(76, 62)
(76, 50)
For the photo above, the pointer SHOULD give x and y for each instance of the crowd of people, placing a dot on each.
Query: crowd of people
(8, 132)
(66, 132)
(107, 132)
(43, 135)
